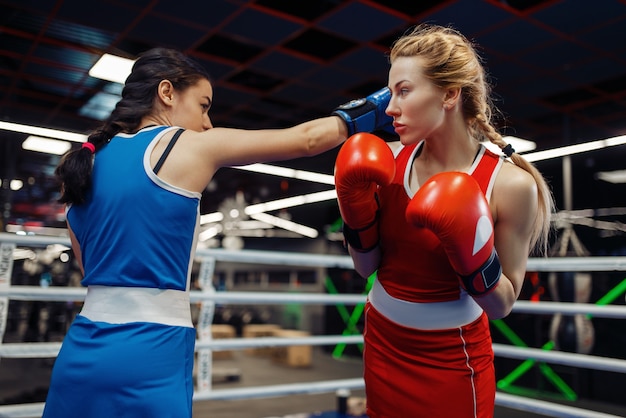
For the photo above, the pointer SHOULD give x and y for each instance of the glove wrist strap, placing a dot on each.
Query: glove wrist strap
(367, 114)
(362, 239)
(485, 279)
(359, 116)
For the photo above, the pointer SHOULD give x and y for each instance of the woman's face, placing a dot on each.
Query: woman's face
(191, 109)
(416, 103)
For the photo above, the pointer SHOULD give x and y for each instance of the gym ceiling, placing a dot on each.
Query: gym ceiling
(558, 70)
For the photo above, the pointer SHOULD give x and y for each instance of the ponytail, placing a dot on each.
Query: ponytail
(74, 169)
(137, 102)
(541, 231)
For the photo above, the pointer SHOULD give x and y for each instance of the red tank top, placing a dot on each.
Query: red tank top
(414, 266)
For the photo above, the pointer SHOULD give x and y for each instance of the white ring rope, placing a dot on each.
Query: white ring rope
(336, 261)
(67, 294)
(241, 343)
(29, 350)
(280, 390)
(549, 409)
(596, 264)
(570, 308)
(25, 410)
(46, 350)
(62, 294)
(34, 410)
(561, 357)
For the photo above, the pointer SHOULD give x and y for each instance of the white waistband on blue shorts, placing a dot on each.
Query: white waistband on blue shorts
(122, 305)
(427, 316)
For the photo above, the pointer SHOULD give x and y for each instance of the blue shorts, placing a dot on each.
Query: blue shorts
(137, 369)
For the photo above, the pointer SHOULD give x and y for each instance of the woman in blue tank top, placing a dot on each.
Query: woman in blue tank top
(132, 193)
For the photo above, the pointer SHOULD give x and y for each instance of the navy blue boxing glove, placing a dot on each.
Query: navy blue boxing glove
(367, 114)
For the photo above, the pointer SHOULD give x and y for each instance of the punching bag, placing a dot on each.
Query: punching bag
(572, 333)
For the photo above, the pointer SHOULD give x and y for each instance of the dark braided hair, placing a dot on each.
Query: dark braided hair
(138, 98)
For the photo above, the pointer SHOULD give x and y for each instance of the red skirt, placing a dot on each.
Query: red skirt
(428, 373)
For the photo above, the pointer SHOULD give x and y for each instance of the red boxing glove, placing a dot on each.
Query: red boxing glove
(364, 162)
(454, 208)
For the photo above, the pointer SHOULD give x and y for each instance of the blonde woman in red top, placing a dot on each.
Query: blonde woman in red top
(447, 225)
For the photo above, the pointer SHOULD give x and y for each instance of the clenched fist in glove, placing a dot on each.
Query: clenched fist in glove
(367, 114)
(364, 163)
(454, 208)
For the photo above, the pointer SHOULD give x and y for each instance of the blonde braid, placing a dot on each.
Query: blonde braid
(489, 132)
(450, 60)
(540, 236)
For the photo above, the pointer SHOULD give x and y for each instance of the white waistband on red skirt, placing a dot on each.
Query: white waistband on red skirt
(122, 305)
(427, 316)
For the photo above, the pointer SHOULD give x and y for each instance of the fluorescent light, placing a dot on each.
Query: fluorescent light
(252, 225)
(35, 130)
(112, 68)
(217, 228)
(617, 176)
(274, 205)
(285, 224)
(519, 145)
(576, 149)
(210, 232)
(211, 218)
(290, 202)
(290, 173)
(257, 212)
(47, 145)
(16, 184)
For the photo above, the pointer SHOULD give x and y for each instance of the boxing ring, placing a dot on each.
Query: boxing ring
(207, 298)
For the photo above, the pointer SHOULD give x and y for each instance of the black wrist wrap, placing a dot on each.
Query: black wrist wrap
(485, 279)
(362, 239)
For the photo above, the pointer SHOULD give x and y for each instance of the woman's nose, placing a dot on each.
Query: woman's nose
(390, 110)
(207, 124)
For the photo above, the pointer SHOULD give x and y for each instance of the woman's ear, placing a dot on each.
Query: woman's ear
(165, 92)
(451, 97)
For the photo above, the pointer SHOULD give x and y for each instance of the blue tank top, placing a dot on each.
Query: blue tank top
(135, 229)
